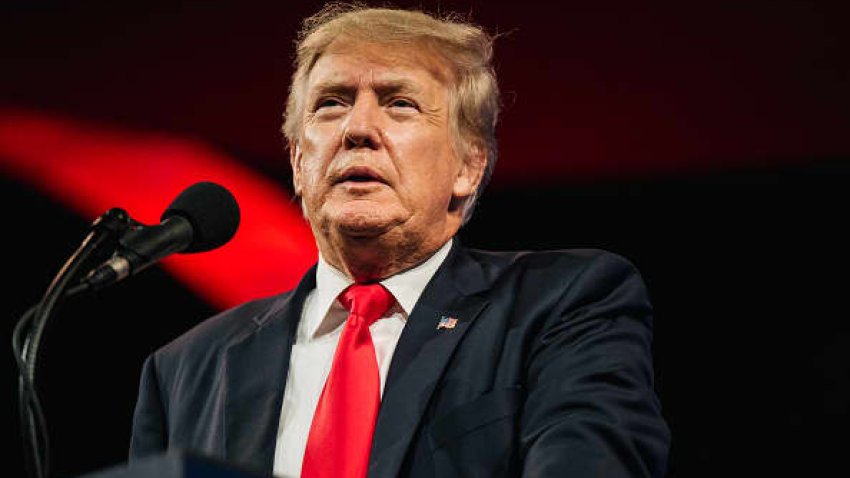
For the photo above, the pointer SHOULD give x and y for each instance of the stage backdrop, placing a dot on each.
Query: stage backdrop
(707, 142)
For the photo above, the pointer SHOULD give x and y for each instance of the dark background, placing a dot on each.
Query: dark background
(707, 142)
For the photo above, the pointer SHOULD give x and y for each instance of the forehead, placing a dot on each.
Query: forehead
(347, 61)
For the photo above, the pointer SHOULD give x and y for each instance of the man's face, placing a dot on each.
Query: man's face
(375, 155)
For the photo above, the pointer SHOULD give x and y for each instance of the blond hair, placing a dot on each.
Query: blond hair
(466, 48)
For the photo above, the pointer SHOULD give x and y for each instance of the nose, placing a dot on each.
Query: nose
(361, 129)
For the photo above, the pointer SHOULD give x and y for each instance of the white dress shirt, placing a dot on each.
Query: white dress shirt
(315, 343)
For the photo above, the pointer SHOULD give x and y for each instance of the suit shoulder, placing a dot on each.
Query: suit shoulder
(573, 261)
(217, 331)
(560, 274)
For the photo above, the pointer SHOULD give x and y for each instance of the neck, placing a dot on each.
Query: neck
(370, 259)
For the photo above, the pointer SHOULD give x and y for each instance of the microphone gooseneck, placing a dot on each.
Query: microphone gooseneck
(203, 217)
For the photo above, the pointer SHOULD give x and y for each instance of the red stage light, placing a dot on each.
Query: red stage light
(92, 168)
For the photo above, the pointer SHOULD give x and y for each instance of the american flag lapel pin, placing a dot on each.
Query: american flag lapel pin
(446, 323)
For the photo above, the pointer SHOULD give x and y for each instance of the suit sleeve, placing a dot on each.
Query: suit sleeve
(149, 435)
(591, 409)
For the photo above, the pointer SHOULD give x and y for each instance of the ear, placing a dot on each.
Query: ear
(295, 162)
(471, 172)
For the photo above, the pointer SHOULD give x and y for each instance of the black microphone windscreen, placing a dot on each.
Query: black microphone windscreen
(212, 211)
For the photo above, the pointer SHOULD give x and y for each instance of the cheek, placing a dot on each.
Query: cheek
(429, 148)
(317, 147)
(315, 141)
(433, 170)
(310, 172)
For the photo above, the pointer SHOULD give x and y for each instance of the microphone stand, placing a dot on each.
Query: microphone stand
(99, 244)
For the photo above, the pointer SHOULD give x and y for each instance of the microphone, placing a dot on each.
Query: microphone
(201, 218)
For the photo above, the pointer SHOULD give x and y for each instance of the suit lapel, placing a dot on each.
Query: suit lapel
(256, 366)
(421, 356)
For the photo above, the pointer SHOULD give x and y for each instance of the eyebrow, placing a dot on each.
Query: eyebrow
(383, 88)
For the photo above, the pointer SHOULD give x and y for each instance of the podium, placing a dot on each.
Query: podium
(175, 464)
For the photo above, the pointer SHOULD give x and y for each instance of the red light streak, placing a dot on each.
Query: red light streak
(92, 168)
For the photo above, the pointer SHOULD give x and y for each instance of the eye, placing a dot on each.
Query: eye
(402, 103)
(328, 102)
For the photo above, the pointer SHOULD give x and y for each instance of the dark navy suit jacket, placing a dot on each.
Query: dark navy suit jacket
(547, 373)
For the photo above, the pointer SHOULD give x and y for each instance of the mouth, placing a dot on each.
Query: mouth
(359, 175)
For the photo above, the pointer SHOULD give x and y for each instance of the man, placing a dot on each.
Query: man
(402, 353)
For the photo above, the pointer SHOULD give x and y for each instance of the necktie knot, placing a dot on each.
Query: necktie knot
(367, 302)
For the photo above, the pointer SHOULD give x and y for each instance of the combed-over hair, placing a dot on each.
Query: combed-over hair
(466, 48)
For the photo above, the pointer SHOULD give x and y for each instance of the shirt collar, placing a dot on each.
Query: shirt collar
(405, 286)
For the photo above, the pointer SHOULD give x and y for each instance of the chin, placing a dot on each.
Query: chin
(364, 223)
(363, 229)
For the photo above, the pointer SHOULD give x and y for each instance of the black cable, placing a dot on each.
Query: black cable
(99, 243)
(31, 415)
(34, 422)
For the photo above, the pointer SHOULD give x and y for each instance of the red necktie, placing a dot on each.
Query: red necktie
(340, 436)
